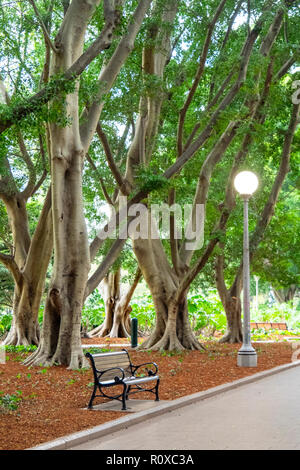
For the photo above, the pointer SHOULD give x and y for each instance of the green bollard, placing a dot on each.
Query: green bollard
(134, 332)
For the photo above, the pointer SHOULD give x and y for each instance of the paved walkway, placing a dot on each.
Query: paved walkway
(257, 416)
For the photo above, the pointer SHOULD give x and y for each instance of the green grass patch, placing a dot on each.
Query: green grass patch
(20, 349)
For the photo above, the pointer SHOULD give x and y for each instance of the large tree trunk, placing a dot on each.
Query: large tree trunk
(113, 325)
(30, 279)
(61, 340)
(231, 303)
(18, 221)
(25, 327)
(232, 307)
(285, 295)
(117, 309)
(172, 330)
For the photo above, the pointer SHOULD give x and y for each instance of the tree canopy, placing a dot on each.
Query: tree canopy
(161, 102)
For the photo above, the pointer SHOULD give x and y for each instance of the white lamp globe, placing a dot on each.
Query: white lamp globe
(246, 183)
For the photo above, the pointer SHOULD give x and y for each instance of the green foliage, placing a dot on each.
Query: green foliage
(149, 181)
(93, 312)
(143, 309)
(5, 322)
(6, 294)
(277, 260)
(262, 334)
(206, 310)
(20, 348)
(172, 354)
(10, 402)
(286, 312)
(22, 58)
(37, 108)
(96, 350)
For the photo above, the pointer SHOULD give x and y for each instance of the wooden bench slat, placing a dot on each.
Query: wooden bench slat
(100, 365)
(111, 360)
(112, 374)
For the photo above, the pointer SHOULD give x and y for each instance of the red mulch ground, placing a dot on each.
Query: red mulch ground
(53, 398)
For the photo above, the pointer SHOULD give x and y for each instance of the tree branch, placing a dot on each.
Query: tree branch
(111, 162)
(205, 134)
(105, 265)
(132, 288)
(220, 280)
(11, 265)
(207, 168)
(41, 244)
(111, 70)
(56, 85)
(231, 21)
(26, 193)
(198, 76)
(269, 207)
(43, 27)
(44, 174)
(122, 144)
(288, 64)
(103, 187)
(229, 201)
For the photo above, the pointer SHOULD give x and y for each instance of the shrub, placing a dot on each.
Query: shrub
(206, 310)
(10, 402)
(93, 312)
(5, 322)
(20, 349)
(278, 313)
(143, 309)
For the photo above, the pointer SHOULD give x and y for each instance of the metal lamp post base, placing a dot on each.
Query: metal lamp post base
(247, 359)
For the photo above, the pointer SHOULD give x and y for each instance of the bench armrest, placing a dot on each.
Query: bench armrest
(150, 372)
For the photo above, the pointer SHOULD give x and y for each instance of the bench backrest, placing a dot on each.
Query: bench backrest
(268, 325)
(104, 361)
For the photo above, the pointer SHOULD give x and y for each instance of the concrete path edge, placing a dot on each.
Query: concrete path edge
(70, 440)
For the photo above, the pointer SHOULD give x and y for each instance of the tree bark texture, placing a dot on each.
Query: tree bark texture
(29, 275)
(285, 295)
(117, 309)
(61, 339)
(172, 330)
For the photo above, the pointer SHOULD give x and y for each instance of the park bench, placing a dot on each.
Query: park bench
(114, 371)
(268, 326)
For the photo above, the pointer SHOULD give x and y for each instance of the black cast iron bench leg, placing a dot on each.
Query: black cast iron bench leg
(90, 405)
(127, 392)
(156, 390)
(124, 395)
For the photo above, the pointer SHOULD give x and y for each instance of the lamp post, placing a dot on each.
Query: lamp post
(246, 184)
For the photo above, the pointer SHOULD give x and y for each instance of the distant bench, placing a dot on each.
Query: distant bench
(268, 326)
(114, 369)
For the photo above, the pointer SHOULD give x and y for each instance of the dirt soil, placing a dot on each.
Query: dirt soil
(53, 399)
